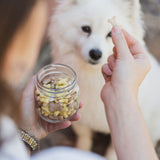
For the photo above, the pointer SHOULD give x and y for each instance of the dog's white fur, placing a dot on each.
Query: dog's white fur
(71, 46)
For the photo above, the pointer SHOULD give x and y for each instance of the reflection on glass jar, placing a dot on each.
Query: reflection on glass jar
(56, 93)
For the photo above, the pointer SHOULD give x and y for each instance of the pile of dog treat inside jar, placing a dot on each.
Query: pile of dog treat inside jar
(62, 106)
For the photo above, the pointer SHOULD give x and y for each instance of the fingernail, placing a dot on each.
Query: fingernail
(116, 30)
(70, 123)
(107, 70)
(80, 103)
(105, 67)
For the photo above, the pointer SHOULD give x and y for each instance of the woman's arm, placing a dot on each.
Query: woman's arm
(31, 122)
(128, 129)
(123, 74)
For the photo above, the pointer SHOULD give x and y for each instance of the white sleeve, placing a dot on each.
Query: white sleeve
(11, 147)
(66, 153)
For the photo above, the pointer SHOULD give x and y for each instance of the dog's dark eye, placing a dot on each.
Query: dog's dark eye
(109, 35)
(86, 29)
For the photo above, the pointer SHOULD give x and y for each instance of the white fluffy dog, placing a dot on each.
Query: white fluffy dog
(81, 37)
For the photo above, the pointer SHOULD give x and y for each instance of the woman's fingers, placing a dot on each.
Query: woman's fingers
(51, 127)
(114, 52)
(125, 44)
(80, 105)
(120, 43)
(134, 45)
(76, 117)
(57, 126)
(54, 127)
(106, 72)
(111, 62)
(29, 89)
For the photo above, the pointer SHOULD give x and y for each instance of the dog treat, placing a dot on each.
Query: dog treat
(64, 104)
(112, 21)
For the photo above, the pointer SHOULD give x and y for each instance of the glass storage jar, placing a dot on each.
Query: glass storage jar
(56, 93)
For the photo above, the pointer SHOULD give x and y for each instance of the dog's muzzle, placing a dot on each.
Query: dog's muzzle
(95, 56)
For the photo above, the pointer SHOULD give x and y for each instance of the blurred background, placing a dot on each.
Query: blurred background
(151, 16)
(151, 10)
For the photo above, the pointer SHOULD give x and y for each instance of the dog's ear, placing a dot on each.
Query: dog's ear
(133, 10)
(79, 1)
(132, 1)
(64, 5)
(65, 2)
(70, 2)
(134, 5)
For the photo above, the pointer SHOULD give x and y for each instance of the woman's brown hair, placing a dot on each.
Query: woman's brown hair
(13, 13)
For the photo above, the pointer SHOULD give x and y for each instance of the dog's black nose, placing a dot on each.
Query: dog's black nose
(95, 54)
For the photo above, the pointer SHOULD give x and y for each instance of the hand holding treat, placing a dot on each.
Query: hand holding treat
(123, 74)
(128, 57)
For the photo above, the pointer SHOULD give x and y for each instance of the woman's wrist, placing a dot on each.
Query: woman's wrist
(127, 97)
(121, 96)
(126, 90)
(36, 133)
(121, 105)
(30, 140)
